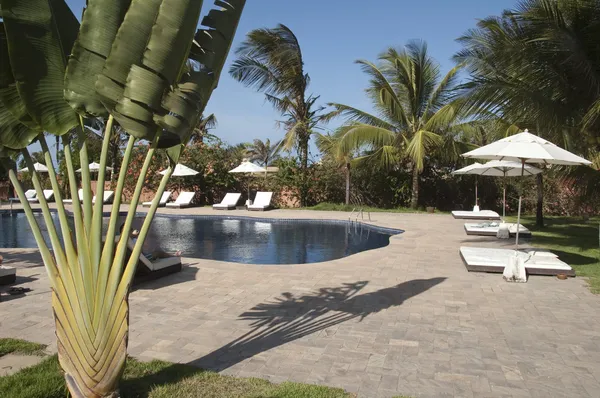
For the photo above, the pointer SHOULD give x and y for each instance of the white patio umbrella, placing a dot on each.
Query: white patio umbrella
(248, 168)
(499, 168)
(180, 171)
(468, 170)
(526, 148)
(40, 168)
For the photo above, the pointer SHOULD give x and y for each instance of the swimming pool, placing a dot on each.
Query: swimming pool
(238, 239)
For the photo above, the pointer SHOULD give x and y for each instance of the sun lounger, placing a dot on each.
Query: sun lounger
(537, 262)
(163, 200)
(229, 202)
(70, 201)
(107, 197)
(8, 275)
(183, 200)
(491, 229)
(152, 269)
(476, 215)
(29, 194)
(262, 201)
(48, 195)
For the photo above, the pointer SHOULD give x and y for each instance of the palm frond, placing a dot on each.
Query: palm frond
(420, 144)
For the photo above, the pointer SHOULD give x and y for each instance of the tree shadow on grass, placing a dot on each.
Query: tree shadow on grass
(283, 320)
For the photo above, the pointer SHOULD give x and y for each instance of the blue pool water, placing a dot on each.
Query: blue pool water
(237, 239)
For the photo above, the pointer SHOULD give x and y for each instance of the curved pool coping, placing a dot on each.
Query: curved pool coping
(377, 228)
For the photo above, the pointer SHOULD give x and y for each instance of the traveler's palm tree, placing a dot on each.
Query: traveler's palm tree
(414, 112)
(270, 60)
(264, 152)
(539, 67)
(126, 64)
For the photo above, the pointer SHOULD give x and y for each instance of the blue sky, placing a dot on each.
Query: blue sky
(333, 34)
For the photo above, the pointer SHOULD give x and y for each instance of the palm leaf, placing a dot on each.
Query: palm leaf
(99, 25)
(420, 144)
(127, 50)
(40, 36)
(357, 135)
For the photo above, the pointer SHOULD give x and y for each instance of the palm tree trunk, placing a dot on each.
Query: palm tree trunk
(539, 214)
(347, 183)
(414, 200)
(57, 149)
(304, 171)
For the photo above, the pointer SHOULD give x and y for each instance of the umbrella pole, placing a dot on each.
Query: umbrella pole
(504, 204)
(475, 190)
(519, 211)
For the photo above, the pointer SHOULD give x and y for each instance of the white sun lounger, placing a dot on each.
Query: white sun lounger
(491, 229)
(183, 200)
(537, 262)
(29, 194)
(476, 215)
(48, 195)
(262, 201)
(229, 202)
(79, 193)
(107, 197)
(163, 200)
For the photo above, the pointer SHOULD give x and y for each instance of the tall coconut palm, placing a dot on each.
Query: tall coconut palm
(125, 64)
(263, 152)
(538, 66)
(270, 60)
(414, 112)
(330, 145)
(201, 131)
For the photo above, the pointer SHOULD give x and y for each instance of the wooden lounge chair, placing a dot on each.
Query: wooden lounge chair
(48, 195)
(262, 201)
(229, 202)
(476, 215)
(537, 262)
(107, 197)
(163, 200)
(183, 200)
(70, 201)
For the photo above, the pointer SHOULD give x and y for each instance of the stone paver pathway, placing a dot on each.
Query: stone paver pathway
(404, 319)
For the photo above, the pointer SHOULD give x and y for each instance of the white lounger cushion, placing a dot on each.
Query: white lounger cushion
(79, 193)
(183, 200)
(30, 193)
(48, 195)
(163, 200)
(106, 197)
(491, 229)
(540, 262)
(229, 201)
(476, 215)
(261, 201)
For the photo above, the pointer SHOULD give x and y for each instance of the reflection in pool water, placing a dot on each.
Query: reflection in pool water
(240, 240)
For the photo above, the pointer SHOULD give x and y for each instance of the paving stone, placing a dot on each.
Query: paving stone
(404, 319)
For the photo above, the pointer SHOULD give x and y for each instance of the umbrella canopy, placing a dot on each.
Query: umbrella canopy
(526, 148)
(95, 167)
(468, 169)
(499, 168)
(181, 171)
(40, 168)
(248, 167)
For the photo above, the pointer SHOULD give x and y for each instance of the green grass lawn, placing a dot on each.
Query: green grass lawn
(16, 346)
(574, 241)
(158, 379)
(342, 207)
